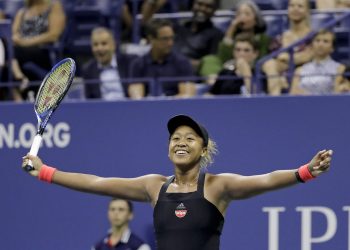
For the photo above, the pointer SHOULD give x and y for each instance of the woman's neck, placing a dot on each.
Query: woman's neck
(319, 59)
(188, 178)
(301, 27)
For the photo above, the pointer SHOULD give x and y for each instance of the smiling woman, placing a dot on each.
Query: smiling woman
(190, 206)
(207, 157)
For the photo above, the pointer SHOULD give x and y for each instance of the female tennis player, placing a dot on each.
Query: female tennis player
(189, 207)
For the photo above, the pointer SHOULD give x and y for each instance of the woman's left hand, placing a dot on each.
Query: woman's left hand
(321, 162)
(20, 41)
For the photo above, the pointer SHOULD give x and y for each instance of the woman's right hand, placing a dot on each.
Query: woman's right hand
(283, 57)
(36, 162)
(234, 25)
(236, 22)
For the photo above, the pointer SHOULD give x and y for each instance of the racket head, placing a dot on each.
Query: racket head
(52, 90)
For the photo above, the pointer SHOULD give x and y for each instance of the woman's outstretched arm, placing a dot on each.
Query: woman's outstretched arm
(137, 189)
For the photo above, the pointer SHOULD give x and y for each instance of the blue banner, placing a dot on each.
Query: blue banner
(129, 138)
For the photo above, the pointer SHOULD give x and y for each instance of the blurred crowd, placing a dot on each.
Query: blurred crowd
(135, 49)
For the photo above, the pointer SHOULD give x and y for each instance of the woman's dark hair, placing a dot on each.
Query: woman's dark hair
(260, 24)
(154, 25)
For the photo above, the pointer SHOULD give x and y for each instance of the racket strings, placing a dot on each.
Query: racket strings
(54, 87)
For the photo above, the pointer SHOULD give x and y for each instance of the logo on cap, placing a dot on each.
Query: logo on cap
(180, 210)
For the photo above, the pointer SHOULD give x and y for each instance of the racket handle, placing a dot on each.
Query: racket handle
(34, 151)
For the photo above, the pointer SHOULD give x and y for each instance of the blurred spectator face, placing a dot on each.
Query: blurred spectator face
(298, 10)
(245, 51)
(246, 16)
(322, 44)
(103, 46)
(203, 10)
(164, 41)
(119, 213)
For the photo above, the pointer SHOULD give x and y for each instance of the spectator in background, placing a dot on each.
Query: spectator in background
(248, 20)
(240, 68)
(332, 4)
(103, 74)
(199, 37)
(160, 61)
(37, 24)
(120, 213)
(299, 27)
(322, 75)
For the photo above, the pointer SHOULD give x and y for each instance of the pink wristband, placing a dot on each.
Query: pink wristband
(46, 173)
(305, 174)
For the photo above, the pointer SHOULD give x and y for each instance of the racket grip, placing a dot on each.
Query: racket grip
(34, 151)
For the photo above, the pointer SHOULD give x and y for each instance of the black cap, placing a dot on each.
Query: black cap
(180, 120)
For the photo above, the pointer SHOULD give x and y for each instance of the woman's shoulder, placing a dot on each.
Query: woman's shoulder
(220, 176)
(341, 68)
(56, 6)
(156, 177)
(56, 3)
(288, 34)
(20, 12)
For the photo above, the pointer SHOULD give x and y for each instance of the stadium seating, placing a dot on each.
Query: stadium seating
(320, 18)
(275, 24)
(81, 20)
(84, 15)
(10, 7)
(272, 4)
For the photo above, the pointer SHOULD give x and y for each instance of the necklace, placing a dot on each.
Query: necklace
(188, 184)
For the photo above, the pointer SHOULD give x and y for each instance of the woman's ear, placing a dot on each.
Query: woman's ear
(204, 152)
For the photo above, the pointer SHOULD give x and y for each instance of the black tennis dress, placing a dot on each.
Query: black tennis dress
(186, 221)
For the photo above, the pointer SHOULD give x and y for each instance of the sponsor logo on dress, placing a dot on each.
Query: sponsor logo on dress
(180, 211)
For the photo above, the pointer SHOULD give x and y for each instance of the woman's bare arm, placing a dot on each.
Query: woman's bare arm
(295, 89)
(138, 189)
(242, 187)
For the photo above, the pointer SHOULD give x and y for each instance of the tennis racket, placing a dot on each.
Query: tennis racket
(51, 92)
